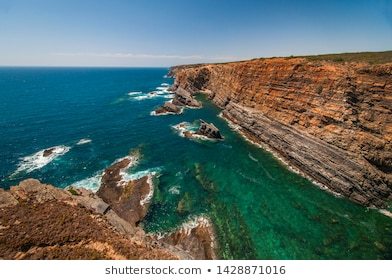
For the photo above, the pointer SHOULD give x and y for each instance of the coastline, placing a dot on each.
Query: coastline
(235, 127)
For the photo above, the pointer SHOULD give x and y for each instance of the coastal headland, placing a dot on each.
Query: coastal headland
(328, 117)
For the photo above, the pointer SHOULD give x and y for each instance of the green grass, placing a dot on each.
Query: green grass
(367, 57)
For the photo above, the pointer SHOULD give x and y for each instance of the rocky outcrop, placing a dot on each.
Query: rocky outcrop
(39, 221)
(168, 108)
(209, 130)
(204, 131)
(128, 198)
(195, 237)
(185, 98)
(331, 121)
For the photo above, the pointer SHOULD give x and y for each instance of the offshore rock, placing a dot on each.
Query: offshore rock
(331, 121)
(185, 98)
(209, 130)
(168, 108)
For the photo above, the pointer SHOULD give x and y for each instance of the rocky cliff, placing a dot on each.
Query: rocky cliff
(332, 121)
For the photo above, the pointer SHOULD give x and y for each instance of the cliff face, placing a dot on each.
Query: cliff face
(332, 121)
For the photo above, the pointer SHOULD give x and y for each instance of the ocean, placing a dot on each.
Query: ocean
(93, 116)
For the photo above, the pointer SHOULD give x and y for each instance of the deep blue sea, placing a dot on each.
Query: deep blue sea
(93, 116)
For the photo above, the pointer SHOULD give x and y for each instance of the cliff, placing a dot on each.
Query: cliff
(331, 120)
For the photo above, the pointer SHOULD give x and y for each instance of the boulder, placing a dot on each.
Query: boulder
(129, 199)
(185, 98)
(168, 108)
(209, 130)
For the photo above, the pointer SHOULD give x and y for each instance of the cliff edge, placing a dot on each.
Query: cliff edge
(330, 120)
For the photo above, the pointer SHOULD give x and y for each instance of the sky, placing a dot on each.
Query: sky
(172, 32)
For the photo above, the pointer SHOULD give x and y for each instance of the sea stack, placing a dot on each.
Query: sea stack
(208, 130)
(185, 98)
(168, 108)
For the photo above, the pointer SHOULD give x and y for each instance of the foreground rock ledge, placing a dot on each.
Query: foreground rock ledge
(39, 221)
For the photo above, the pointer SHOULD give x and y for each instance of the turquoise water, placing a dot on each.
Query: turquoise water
(261, 209)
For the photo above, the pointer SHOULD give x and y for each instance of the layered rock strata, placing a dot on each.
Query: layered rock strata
(332, 121)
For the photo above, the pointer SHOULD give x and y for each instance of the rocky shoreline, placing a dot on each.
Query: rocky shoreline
(327, 120)
(39, 221)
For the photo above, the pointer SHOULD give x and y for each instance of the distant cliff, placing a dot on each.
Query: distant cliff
(331, 120)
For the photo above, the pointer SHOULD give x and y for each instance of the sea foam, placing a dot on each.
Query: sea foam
(132, 93)
(38, 160)
(83, 141)
(92, 183)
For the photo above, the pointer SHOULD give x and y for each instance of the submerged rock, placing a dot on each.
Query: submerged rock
(185, 204)
(204, 181)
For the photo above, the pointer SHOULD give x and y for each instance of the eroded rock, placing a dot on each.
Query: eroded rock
(43, 222)
(331, 121)
(185, 98)
(129, 199)
(209, 130)
(196, 237)
(168, 108)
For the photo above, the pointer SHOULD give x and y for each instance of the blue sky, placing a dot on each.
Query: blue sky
(164, 33)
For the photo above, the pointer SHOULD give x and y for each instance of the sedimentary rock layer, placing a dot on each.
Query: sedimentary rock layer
(332, 121)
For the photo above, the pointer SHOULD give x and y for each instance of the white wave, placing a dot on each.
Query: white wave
(84, 141)
(183, 127)
(187, 227)
(174, 190)
(132, 93)
(143, 97)
(128, 176)
(151, 95)
(150, 194)
(165, 85)
(92, 183)
(38, 160)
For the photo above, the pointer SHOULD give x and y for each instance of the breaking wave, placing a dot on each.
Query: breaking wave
(92, 183)
(40, 159)
(84, 141)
